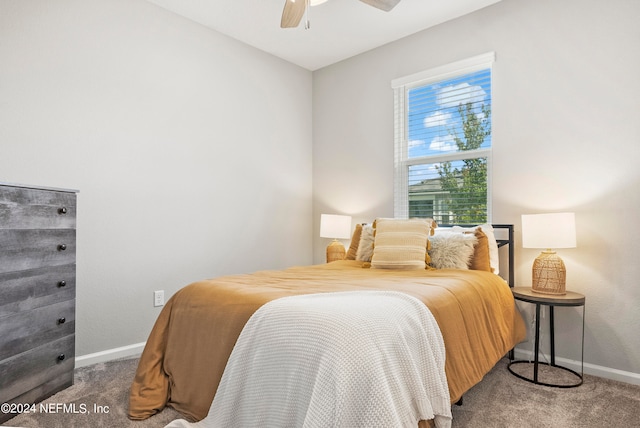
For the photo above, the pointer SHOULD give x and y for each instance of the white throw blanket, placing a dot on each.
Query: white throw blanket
(347, 359)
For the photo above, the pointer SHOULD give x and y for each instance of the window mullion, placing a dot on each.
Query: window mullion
(449, 157)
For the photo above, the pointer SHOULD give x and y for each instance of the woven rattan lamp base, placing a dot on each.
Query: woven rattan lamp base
(549, 274)
(335, 251)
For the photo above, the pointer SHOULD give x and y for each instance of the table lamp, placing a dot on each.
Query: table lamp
(556, 230)
(335, 227)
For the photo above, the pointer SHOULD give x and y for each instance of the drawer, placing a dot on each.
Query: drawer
(30, 370)
(22, 208)
(30, 249)
(32, 329)
(25, 290)
(41, 392)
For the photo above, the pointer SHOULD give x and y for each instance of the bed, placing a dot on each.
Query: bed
(193, 338)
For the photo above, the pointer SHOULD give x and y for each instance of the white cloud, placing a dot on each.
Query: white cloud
(437, 119)
(416, 144)
(452, 96)
(443, 144)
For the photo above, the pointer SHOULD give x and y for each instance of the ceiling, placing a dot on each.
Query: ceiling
(339, 28)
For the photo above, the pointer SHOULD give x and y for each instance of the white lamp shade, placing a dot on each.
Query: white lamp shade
(335, 226)
(555, 230)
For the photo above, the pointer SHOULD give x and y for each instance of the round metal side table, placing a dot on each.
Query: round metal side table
(526, 294)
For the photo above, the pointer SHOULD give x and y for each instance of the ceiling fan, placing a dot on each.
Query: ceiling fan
(295, 9)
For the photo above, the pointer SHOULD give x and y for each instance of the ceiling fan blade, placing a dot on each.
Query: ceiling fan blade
(292, 13)
(385, 5)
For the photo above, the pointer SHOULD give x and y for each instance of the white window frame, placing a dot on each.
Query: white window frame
(401, 88)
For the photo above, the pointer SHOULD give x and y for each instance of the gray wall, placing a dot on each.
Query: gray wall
(566, 95)
(191, 151)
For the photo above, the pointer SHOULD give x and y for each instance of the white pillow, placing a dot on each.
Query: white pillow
(452, 250)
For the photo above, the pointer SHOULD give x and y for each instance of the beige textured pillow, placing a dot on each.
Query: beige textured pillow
(451, 250)
(365, 246)
(400, 244)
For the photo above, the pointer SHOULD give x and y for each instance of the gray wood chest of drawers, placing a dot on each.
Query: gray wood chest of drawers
(37, 292)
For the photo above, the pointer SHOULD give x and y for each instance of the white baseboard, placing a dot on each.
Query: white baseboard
(590, 369)
(110, 354)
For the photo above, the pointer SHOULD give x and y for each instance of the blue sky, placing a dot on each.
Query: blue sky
(433, 115)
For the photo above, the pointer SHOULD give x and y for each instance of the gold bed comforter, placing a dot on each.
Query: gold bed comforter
(190, 343)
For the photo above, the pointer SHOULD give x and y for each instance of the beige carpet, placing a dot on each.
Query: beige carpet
(500, 400)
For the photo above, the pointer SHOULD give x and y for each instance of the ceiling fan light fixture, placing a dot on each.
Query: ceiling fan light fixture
(295, 10)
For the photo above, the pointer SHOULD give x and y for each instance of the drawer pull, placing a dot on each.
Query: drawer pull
(62, 283)
(62, 320)
(61, 357)
(62, 210)
(62, 247)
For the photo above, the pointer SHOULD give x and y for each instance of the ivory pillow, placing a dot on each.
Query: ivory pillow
(400, 244)
(450, 250)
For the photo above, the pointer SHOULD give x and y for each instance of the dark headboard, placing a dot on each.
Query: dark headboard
(508, 240)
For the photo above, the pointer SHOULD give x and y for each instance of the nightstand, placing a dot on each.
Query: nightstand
(526, 294)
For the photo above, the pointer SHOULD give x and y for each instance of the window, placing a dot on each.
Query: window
(443, 143)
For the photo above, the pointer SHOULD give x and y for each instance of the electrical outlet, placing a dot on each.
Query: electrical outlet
(158, 298)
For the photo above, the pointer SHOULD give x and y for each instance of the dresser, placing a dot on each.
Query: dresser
(37, 292)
